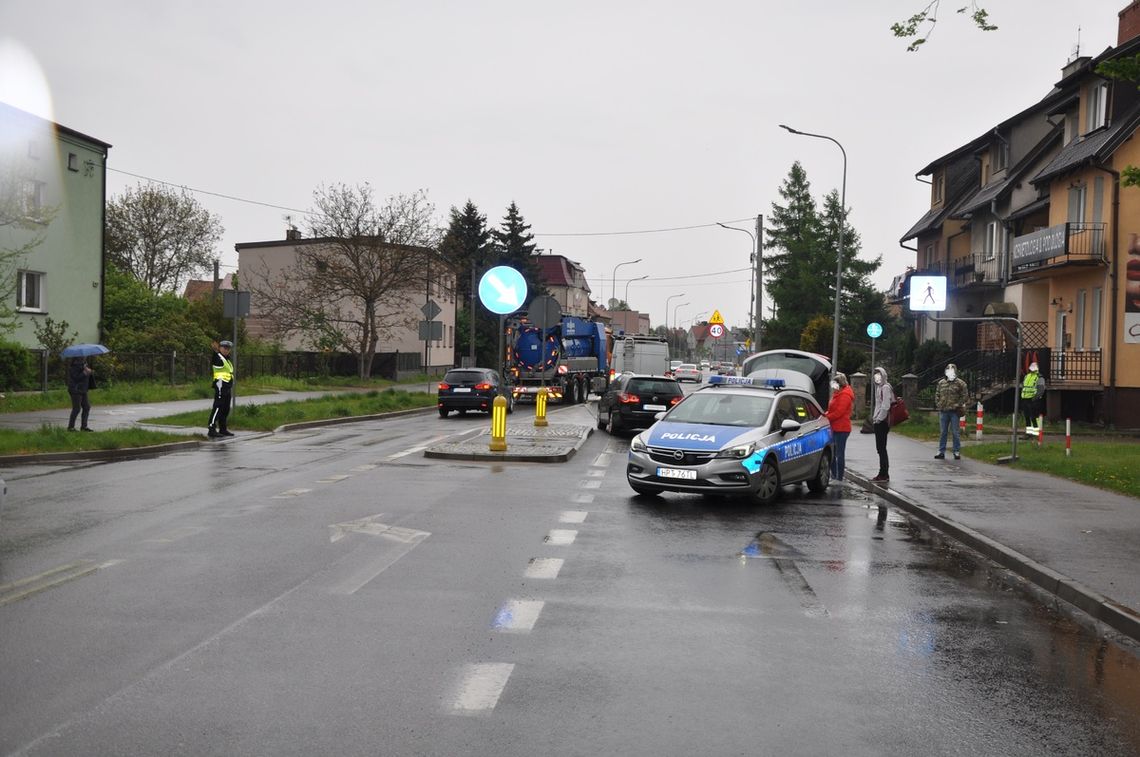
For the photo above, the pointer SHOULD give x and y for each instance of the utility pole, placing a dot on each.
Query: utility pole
(759, 273)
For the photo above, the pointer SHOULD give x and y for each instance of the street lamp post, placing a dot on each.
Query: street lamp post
(839, 262)
(669, 334)
(639, 278)
(757, 279)
(619, 265)
(675, 309)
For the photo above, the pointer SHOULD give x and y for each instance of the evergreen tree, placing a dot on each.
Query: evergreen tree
(792, 267)
(467, 244)
(514, 246)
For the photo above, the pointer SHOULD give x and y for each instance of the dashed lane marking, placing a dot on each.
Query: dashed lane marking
(26, 587)
(291, 493)
(572, 516)
(333, 478)
(561, 537)
(480, 687)
(363, 468)
(603, 460)
(582, 498)
(543, 567)
(593, 483)
(176, 535)
(517, 615)
(418, 447)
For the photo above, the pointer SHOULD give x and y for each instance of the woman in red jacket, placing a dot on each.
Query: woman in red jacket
(839, 413)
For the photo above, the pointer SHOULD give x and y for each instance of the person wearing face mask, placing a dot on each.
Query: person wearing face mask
(950, 398)
(884, 396)
(1032, 392)
(839, 414)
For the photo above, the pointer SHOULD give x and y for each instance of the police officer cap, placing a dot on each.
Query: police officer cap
(226, 343)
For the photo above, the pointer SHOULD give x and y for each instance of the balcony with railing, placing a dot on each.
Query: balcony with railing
(1060, 245)
(974, 270)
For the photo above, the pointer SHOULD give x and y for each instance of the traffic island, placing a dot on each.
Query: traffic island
(555, 443)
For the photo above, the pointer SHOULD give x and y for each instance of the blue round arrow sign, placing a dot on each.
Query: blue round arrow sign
(502, 290)
(874, 330)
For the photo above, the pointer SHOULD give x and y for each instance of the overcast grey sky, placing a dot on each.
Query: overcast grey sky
(592, 116)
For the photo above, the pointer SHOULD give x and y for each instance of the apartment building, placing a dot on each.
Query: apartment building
(1034, 219)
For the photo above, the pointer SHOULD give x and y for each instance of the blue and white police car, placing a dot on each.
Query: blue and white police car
(736, 436)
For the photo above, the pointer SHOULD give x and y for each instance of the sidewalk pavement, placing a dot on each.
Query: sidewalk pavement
(1080, 543)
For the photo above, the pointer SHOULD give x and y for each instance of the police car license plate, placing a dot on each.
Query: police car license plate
(461, 390)
(689, 475)
(654, 407)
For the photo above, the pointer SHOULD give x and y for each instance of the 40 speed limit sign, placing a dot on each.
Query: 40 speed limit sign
(716, 330)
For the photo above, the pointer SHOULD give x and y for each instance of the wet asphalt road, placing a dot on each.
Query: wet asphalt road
(333, 592)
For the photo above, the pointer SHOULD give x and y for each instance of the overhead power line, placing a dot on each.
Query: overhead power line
(640, 231)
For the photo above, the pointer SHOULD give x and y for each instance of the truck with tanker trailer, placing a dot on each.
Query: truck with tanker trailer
(570, 358)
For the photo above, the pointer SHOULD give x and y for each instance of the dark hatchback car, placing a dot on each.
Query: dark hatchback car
(634, 400)
(466, 389)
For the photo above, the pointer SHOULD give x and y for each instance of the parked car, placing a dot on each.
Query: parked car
(687, 372)
(735, 437)
(466, 389)
(634, 400)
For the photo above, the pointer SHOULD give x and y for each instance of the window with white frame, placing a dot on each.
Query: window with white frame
(30, 291)
(995, 235)
(1079, 312)
(1077, 204)
(1096, 106)
(1094, 319)
(1000, 155)
(930, 252)
(937, 188)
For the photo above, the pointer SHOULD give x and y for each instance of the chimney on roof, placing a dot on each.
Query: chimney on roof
(292, 234)
(1129, 23)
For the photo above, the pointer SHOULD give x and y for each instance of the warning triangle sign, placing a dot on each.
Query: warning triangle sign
(716, 318)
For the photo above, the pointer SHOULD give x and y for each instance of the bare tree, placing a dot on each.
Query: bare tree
(160, 236)
(360, 274)
(24, 221)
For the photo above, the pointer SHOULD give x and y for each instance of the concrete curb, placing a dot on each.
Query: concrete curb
(100, 455)
(352, 419)
(483, 454)
(1096, 605)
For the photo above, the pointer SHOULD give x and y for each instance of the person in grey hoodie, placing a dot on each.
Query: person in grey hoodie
(884, 396)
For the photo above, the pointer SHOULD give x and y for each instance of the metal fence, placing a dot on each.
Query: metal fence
(185, 369)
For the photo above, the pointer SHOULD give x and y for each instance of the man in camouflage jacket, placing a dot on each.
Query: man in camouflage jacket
(950, 398)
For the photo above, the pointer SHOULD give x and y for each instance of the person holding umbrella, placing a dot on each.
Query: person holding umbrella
(223, 380)
(80, 380)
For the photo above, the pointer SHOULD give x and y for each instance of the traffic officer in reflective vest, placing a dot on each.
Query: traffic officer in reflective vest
(1032, 391)
(223, 379)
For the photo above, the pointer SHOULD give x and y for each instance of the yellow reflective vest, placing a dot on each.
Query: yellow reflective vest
(1029, 386)
(225, 371)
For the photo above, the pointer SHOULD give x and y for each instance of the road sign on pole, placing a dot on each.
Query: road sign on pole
(502, 290)
(716, 318)
(430, 310)
(716, 330)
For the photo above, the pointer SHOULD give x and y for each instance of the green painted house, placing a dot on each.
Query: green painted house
(53, 187)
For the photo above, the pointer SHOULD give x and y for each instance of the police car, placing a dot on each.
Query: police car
(737, 436)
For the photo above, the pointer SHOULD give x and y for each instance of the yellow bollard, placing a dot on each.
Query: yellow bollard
(499, 425)
(540, 408)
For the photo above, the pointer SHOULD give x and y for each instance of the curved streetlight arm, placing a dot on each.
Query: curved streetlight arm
(613, 293)
(839, 256)
(630, 281)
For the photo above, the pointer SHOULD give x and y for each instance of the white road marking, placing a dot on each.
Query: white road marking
(373, 527)
(175, 535)
(590, 484)
(418, 447)
(291, 493)
(582, 498)
(560, 537)
(481, 686)
(373, 565)
(596, 473)
(333, 478)
(517, 615)
(572, 516)
(602, 460)
(543, 567)
(363, 468)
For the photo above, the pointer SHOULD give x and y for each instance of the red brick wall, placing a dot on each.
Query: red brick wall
(1129, 22)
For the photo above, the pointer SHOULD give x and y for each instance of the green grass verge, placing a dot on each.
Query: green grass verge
(1106, 462)
(1106, 465)
(266, 417)
(148, 392)
(58, 439)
